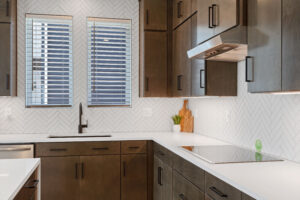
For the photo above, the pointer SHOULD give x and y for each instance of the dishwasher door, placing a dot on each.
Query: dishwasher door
(16, 151)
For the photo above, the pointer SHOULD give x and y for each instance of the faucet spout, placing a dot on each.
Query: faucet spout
(81, 126)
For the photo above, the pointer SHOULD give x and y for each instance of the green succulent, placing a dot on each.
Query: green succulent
(176, 119)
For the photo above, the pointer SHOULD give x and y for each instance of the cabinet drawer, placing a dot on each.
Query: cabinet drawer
(183, 189)
(99, 148)
(76, 148)
(220, 190)
(56, 149)
(191, 172)
(163, 154)
(128, 147)
(28, 192)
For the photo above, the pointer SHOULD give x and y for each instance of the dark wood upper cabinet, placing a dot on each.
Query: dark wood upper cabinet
(215, 17)
(134, 177)
(273, 40)
(8, 47)
(60, 178)
(155, 14)
(182, 9)
(155, 64)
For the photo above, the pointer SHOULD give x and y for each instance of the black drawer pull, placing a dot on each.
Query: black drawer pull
(59, 149)
(161, 153)
(179, 15)
(181, 196)
(147, 16)
(100, 148)
(33, 184)
(159, 174)
(210, 9)
(218, 192)
(179, 77)
(214, 17)
(7, 8)
(134, 147)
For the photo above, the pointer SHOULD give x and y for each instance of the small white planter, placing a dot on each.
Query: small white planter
(176, 128)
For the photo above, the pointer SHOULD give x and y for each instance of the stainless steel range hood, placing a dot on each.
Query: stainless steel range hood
(230, 45)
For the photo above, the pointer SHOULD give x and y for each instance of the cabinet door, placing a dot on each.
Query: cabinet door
(263, 71)
(182, 9)
(290, 45)
(100, 178)
(5, 6)
(155, 15)
(204, 27)
(225, 15)
(5, 59)
(155, 64)
(60, 178)
(134, 177)
(182, 42)
(162, 189)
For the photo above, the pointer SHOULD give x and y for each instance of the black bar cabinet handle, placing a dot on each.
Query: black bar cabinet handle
(7, 81)
(82, 170)
(218, 192)
(179, 82)
(214, 17)
(124, 168)
(7, 8)
(179, 9)
(247, 66)
(210, 9)
(58, 149)
(147, 84)
(76, 171)
(147, 16)
(33, 184)
(201, 72)
(100, 148)
(133, 147)
(159, 174)
(182, 197)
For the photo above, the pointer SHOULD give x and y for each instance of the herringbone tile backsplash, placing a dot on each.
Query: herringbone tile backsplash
(62, 120)
(275, 119)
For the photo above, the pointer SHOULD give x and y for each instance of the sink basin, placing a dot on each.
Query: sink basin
(77, 136)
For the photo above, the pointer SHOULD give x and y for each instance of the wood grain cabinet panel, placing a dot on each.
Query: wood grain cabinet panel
(100, 178)
(163, 154)
(155, 15)
(218, 190)
(29, 190)
(183, 189)
(60, 178)
(134, 177)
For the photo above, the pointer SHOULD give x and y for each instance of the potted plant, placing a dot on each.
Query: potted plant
(176, 121)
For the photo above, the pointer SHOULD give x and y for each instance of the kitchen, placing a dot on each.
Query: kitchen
(87, 137)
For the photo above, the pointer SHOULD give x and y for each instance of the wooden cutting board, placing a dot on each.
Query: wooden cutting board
(187, 119)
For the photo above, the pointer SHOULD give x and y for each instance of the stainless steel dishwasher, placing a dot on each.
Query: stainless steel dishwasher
(16, 151)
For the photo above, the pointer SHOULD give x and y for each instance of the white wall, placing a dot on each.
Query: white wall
(275, 119)
(53, 120)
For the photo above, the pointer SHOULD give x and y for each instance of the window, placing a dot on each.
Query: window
(48, 60)
(109, 62)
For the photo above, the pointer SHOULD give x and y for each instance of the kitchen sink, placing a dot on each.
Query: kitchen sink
(77, 136)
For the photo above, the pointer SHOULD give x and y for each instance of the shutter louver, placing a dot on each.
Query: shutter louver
(109, 62)
(48, 60)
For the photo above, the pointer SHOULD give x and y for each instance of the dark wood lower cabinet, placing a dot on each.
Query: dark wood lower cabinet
(100, 178)
(60, 179)
(29, 190)
(134, 177)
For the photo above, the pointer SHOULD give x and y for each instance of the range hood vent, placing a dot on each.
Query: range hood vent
(230, 45)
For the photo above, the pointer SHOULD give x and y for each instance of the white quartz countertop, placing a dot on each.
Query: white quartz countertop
(264, 181)
(13, 175)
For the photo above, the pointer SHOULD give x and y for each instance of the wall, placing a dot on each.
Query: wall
(15, 118)
(275, 119)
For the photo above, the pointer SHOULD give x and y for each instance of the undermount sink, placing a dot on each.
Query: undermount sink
(76, 136)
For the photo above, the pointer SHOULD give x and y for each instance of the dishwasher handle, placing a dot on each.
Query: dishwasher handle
(15, 149)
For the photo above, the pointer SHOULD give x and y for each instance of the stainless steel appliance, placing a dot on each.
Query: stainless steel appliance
(16, 151)
(228, 154)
